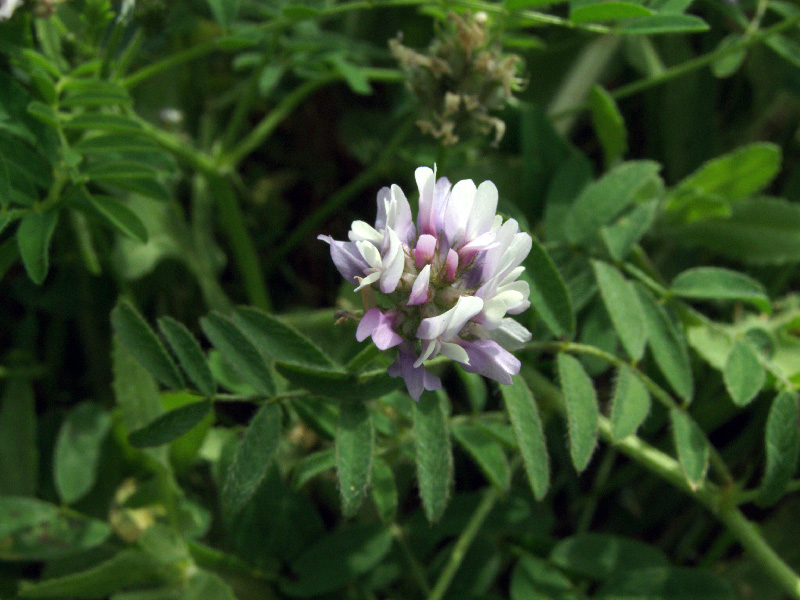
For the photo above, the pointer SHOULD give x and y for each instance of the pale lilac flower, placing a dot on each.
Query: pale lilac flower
(7, 8)
(445, 284)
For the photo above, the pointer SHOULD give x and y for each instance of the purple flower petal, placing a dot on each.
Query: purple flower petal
(426, 247)
(380, 326)
(417, 379)
(490, 359)
(347, 258)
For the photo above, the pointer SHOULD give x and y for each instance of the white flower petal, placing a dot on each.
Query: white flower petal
(364, 232)
(466, 308)
(393, 263)
(370, 254)
(419, 291)
(426, 178)
(455, 352)
(368, 280)
(458, 210)
(483, 210)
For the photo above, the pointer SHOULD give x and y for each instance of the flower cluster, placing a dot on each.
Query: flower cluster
(460, 78)
(443, 285)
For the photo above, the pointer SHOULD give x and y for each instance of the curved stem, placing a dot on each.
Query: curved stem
(688, 66)
(463, 543)
(719, 501)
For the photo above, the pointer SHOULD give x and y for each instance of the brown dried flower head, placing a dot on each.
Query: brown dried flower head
(459, 79)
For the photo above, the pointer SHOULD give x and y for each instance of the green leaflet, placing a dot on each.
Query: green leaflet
(536, 579)
(742, 234)
(239, 352)
(608, 124)
(355, 438)
(278, 340)
(582, 411)
(601, 201)
(549, 295)
(77, 452)
(384, 490)
(171, 425)
(190, 355)
(716, 283)
(251, 461)
(600, 556)
(35, 530)
(630, 404)
(691, 445)
(666, 583)
(119, 216)
(606, 11)
(744, 375)
(339, 384)
(668, 346)
(434, 456)
(124, 570)
(34, 234)
(620, 236)
(622, 304)
(143, 343)
(339, 558)
(782, 441)
(664, 23)
(524, 416)
(486, 451)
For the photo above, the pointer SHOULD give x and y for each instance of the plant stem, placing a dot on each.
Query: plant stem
(686, 67)
(363, 358)
(268, 124)
(244, 252)
(719, 501)
(463, 543)
(416, 568)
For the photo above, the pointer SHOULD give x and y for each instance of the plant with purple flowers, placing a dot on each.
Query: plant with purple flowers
(444, 285)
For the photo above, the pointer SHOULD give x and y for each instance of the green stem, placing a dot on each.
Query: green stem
(463, 543)
(687, 67)
(339, 199)
(719, 466)
(417, 571)
(746, 496)
(29, 372)
(268, 124)
(719, 501)
(232, 222)
(363, 358)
